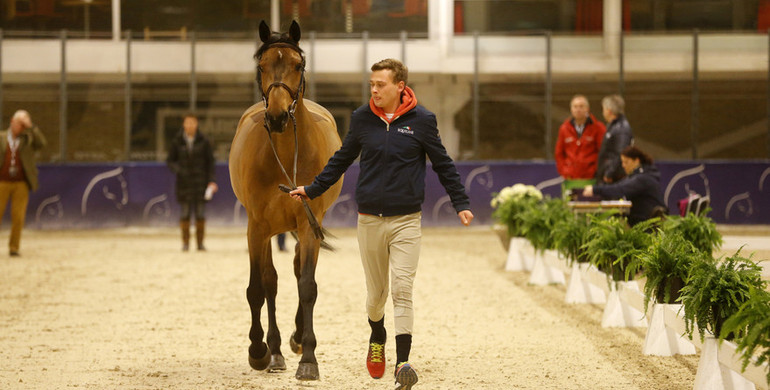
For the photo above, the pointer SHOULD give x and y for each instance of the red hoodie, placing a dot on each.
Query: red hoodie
(408, 102)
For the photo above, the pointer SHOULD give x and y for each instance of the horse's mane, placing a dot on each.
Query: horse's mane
(278, 40)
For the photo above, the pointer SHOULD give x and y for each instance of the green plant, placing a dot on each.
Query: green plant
(752, 320)
(700, 230)
(537, 222)
(613, 246)
(511, 202)
(716, 289)
(666, 265)
(569, 235)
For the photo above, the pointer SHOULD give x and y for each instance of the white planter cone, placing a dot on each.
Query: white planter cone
(618, 314)
(580, 290)
(543, 273)
(519, 258)
(662, 340)
(714, 375)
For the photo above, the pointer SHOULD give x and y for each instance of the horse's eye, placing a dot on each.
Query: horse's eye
(299, 67)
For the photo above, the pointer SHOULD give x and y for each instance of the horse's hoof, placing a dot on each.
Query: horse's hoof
(308, 372)
(277, 364)
(261, 363)
(295, 347)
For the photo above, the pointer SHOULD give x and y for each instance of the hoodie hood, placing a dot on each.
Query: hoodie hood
(408, 102)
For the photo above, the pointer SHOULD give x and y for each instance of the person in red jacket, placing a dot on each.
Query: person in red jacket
(577, 148)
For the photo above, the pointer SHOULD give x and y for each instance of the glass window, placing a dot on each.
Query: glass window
(92, 18)
(527, 15)
(715, 15)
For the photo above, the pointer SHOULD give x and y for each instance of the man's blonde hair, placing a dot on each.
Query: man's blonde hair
(400, 72)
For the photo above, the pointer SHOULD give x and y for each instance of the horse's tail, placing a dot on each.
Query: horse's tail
(324, 244)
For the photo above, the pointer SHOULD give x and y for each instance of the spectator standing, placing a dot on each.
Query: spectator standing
(191, 159)
(18, 174)
(393, 135)
(618, 137)
(577, 146)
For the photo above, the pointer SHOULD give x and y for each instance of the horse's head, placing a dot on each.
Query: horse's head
(280, 74)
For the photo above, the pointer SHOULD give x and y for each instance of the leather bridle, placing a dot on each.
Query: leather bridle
(295, 96)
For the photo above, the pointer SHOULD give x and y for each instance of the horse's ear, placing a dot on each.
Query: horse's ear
(264, 31)
(294, 31)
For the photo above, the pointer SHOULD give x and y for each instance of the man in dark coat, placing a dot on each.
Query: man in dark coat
(617, 138)
(191, 158)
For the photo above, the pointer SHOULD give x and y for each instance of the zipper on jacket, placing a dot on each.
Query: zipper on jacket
(382, 182)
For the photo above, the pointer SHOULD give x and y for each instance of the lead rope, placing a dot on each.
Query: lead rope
(317, 231)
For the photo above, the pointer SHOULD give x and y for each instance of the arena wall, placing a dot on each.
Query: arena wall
(142, 194)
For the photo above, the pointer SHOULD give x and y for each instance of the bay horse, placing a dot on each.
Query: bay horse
(281, 141)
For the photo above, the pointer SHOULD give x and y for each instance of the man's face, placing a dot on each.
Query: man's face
(17, 127)
(579, 109)
(190, 126)
(386, 94)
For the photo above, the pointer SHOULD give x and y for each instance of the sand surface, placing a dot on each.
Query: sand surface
(126, 309)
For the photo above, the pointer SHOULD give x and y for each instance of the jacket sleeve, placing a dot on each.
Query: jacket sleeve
(444, 166)
(172, 160)
(558, 153)
(336, 166)
(210, 163)
(37, 140)
(628, 187)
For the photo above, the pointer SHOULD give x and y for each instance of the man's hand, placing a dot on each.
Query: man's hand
(588, 190)
(26, 121)
(466, 216)
(298, 193)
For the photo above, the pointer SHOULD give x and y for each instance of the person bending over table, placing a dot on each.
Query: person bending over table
(641, 186)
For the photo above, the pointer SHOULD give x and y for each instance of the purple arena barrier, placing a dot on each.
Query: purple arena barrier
(142, 194)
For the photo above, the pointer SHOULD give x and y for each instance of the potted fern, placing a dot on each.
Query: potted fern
(613, 246)
(752, 320)
(538, 221)
(666, 265)
(715, 290)
(569, 235)
(698, 229)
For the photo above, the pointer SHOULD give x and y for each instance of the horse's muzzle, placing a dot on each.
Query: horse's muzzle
(276, 124)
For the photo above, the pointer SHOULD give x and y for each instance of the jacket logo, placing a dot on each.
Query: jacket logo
(406, 130)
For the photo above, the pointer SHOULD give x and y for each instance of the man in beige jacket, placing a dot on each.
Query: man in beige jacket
(18, 173)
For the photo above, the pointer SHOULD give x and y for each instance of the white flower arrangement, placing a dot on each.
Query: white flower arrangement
(517, 191)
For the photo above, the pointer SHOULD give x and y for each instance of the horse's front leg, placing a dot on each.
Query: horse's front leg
(308, 291)
(259, 353)
(270, 283)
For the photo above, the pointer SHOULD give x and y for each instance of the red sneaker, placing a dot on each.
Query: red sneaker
(375, 360)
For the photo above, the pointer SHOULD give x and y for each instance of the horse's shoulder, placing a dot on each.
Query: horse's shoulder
(318, 112)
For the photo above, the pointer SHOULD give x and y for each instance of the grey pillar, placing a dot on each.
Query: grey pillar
(694, 115)
(193, 78)
(403, 37)
(127, 97)
(548, 96)
(475, 123)
(364, 67)
(310, 77)
(63, 99)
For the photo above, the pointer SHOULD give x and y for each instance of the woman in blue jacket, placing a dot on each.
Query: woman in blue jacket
(641, 186)
(392, 134)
